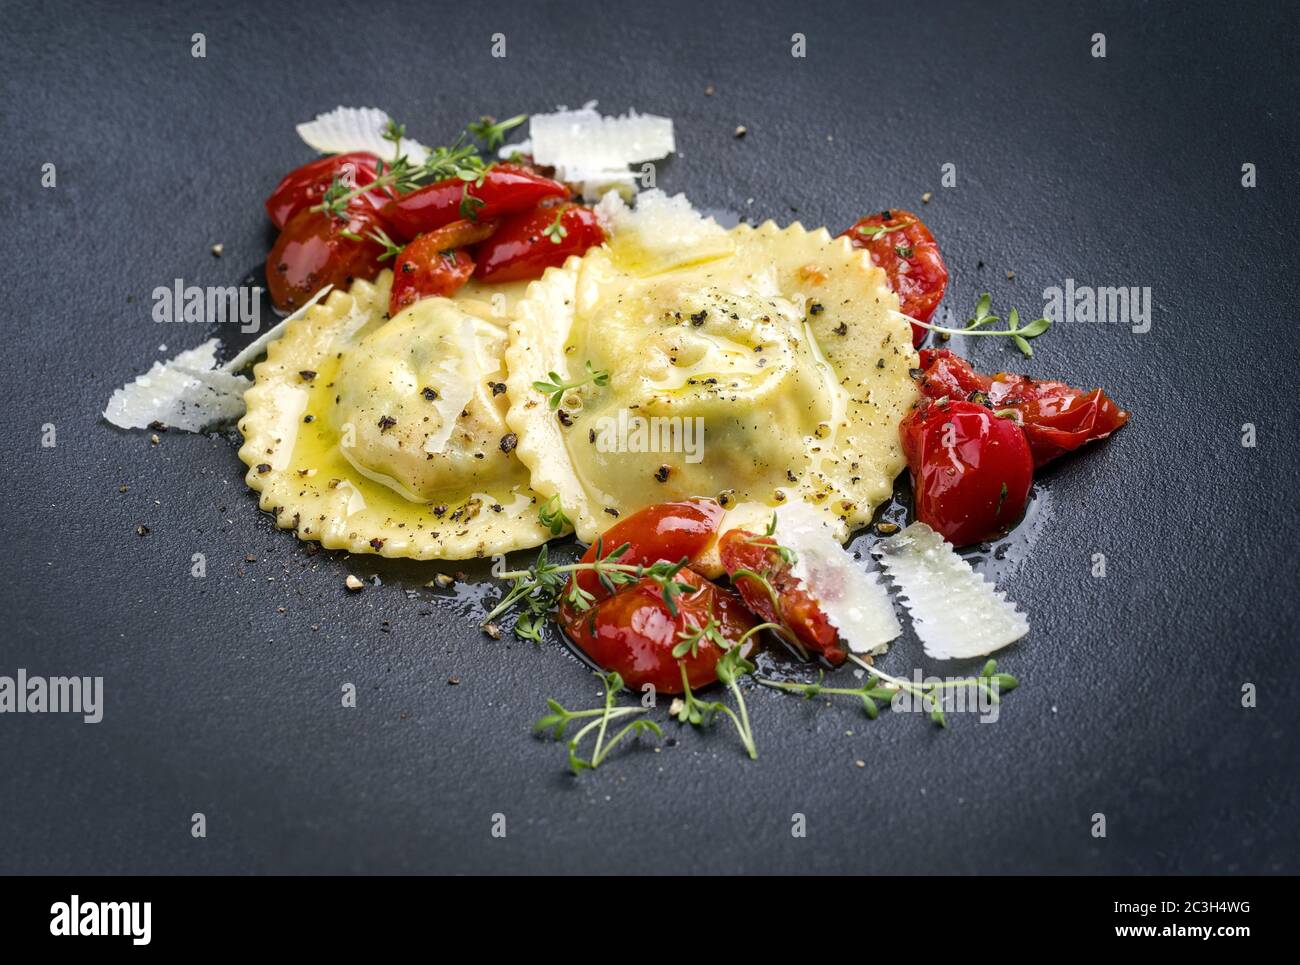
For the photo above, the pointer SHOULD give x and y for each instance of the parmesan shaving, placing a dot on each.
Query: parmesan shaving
(347, 129)
(853, 599)
(458, 374)
(187, 392)
(956, 613)
(191, 392)
(594, 151)
(662, 232)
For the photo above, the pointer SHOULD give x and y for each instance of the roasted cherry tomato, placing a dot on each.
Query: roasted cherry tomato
(795, 608)
(316, 249)
(664, 533)
(903, 246)
(631, 629)
(634, 632)
(435, 263)
(945, 375)
(304, 186)
(506, 189)
(527, 244)
(971, 470)
(1056, 417)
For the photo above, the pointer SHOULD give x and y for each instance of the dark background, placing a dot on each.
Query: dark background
(1122, 171)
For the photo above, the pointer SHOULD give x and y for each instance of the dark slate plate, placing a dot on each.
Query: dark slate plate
(1118, 171)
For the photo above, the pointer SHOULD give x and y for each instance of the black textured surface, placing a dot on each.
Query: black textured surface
(1122, 171)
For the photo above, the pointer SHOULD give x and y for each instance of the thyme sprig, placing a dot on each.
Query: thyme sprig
(555, 387)
(460, 160)
(493, 132)
(1019, 334)
(561, 717)
(551, 515)
(391, 248)
(394, 132)
(880, 686)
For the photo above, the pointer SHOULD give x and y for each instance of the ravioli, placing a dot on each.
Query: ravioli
(389, 436)
(769, 367)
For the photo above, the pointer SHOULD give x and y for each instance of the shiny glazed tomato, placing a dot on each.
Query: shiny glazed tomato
(506, 189)
(795, 608)
(529, 243)
(664, 533)
(316, 249)
(1055, 417)
(435, 263)
(631, 629)
(634, 632)
(971, 470)
(304, 186)
(901, 244)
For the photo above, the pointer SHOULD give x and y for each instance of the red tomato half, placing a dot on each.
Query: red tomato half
(1056, 417)
(316, 249)
(664, 533)
(634, 632)
(506, 189)
(435, 263)
(902, 245)
(971, 470)
(796, 609)
(526, 245)
(304, 186)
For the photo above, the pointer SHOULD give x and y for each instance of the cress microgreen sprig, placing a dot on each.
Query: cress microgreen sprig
(561, 717)
(555, 388)
(879, 230)
(788, 556)
(689, 639)
(1019, 334)
(556, 230)
(762, 579)
(540, 588)
(880, 686)
(689, 709)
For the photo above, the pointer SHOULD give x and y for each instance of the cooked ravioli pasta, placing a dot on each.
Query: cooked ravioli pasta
(389, 436)
(775, 367)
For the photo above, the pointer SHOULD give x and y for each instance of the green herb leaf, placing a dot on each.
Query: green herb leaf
(493, 132)
(1035, 328)
(556, 230)
(555, 387)
(552, 516)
